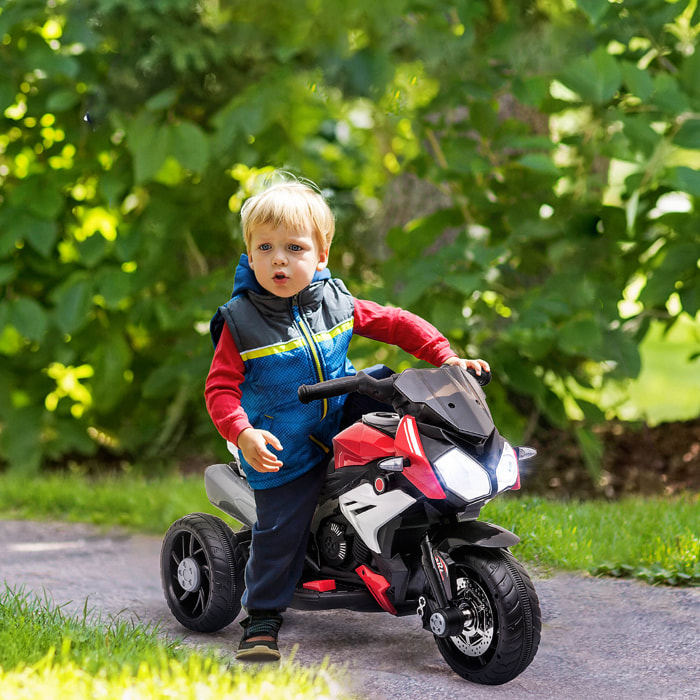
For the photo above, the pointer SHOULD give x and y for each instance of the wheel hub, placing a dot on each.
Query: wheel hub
(189, 575)
(478, 631)
(448, 622)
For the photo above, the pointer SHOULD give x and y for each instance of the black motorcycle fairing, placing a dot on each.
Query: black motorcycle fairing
(475, 533)
(352, 598)
(448, 397)
(487, 453)
(340, 480)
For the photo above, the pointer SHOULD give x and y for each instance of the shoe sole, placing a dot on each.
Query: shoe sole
(259, 652)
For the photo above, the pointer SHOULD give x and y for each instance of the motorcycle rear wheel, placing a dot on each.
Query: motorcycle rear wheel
(504, 621)
(201, 567)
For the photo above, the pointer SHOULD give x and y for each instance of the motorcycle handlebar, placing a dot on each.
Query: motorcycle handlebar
(362, 383)
(483, 379)
(380, 389)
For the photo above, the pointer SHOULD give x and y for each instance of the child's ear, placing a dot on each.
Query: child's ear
(250, 260)
(322, 259)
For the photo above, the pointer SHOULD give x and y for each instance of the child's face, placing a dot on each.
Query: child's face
(284, 261)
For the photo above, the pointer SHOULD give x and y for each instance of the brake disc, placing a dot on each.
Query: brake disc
(478, 632)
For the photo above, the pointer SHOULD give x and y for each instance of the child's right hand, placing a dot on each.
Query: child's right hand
(253, 444)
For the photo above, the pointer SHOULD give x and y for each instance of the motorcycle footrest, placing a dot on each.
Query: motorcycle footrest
(322, 586)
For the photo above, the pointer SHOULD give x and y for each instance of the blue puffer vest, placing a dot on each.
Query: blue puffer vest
(285, 343)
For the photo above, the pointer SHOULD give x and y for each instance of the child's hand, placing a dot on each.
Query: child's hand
(476, 365)
(253, 444)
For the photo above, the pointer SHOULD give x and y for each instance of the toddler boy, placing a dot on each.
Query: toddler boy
(289, 323)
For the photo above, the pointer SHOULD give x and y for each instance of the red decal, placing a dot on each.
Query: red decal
(420, 473)
(441, 566)
(516, 485)
(378, 586)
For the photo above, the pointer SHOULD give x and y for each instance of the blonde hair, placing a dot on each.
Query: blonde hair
(294, 205)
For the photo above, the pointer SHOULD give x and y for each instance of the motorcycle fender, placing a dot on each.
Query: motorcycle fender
(474, 533)
(230, 493)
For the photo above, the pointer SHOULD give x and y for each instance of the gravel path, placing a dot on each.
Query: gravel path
(601, 638)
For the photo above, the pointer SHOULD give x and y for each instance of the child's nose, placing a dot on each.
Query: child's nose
(279, 257)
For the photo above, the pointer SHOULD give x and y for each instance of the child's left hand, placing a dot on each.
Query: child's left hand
(477, 365)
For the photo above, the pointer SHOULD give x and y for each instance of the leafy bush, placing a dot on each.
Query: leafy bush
(543, 162)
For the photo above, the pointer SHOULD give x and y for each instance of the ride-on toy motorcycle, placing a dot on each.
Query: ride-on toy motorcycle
(395, 529)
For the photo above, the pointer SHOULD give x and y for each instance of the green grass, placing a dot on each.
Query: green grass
(655, 539)
(129, 501)
(30, 629)
(47, 653)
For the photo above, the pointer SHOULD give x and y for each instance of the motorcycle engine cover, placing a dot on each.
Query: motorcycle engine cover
(333, 544)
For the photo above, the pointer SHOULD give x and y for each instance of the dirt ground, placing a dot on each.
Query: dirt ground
(659, 460)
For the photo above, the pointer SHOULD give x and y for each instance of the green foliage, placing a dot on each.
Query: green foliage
(127, 128)
(673, 392)
(674, 562)
(569, 171)
(555, 147)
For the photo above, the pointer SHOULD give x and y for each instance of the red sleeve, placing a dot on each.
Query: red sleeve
(222, 391)
(398, 327)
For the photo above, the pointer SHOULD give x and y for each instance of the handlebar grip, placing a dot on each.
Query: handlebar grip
(327, 389)
(363, 383)
(483, 379)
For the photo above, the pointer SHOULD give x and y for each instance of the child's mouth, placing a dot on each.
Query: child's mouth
(279, 277)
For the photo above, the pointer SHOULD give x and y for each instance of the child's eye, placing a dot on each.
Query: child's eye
(264, 246)
(294, 247)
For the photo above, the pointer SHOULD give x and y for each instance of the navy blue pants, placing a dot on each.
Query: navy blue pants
(280, 535)
(280, 538)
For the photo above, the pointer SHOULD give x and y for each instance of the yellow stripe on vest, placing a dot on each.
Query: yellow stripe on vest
(296, 343)
(272, 349)
(340, 328)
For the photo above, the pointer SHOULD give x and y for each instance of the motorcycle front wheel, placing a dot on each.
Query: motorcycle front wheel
(502, 613)
(201, 567)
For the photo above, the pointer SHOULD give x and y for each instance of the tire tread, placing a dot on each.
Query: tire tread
(519, 620)
(226, 564)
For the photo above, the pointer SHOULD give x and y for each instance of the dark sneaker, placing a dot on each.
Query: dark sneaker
(259, 641)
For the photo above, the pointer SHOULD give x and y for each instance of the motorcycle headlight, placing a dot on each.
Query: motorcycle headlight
(463, 476)
(507, 469)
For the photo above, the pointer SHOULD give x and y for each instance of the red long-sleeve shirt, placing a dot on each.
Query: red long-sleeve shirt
(371, 320)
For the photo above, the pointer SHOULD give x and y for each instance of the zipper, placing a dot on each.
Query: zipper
(306, 332)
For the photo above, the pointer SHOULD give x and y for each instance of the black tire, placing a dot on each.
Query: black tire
(201, 569)
(502, 638)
